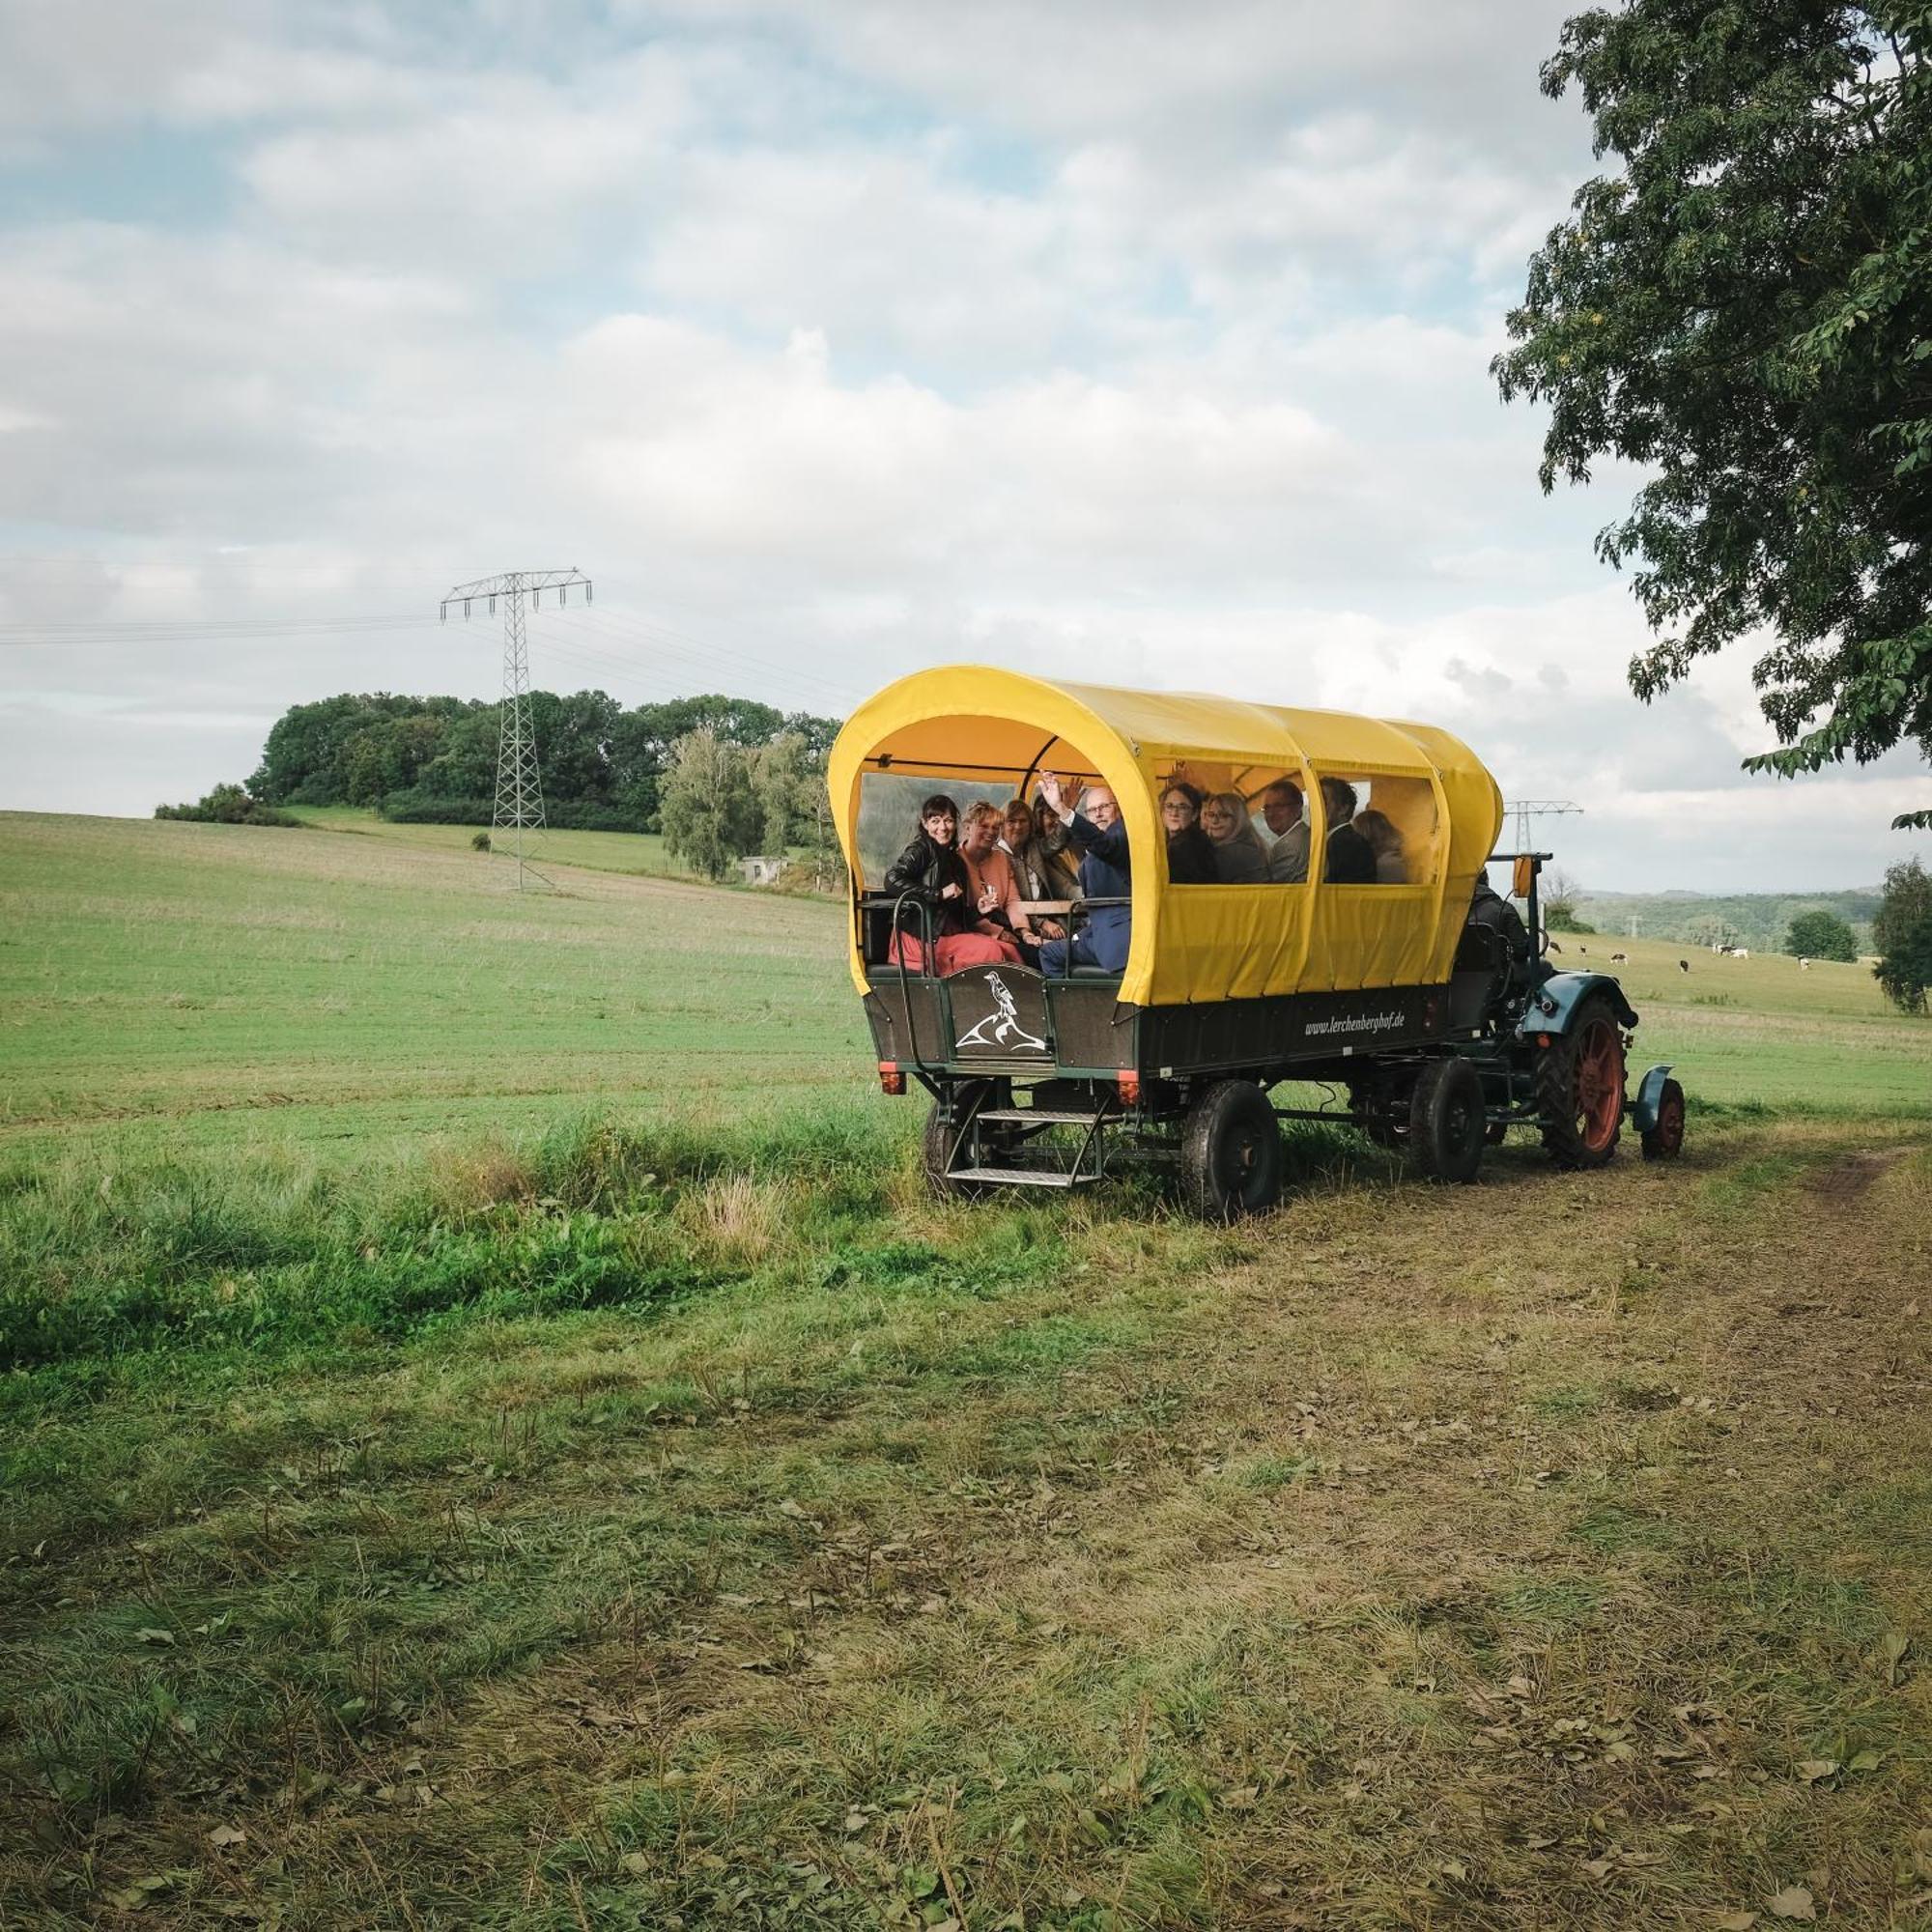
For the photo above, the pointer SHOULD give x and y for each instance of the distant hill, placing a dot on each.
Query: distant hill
(1757, 920)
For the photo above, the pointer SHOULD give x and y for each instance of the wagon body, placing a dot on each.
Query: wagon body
(1363, 984)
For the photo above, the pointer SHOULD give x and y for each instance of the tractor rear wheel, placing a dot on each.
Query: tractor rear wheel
(1230, 1152)
(1579, 1086)
(939, 1145)
(1445, 1122)
(1664, 1140)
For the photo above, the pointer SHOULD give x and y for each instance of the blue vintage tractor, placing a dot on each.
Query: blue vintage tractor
(1546, 1048)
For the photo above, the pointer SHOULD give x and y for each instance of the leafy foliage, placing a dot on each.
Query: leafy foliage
(349, 749)
(1757, 920)
(1902, 932)
(433, 761)
(1821, 935)
(228, 805)
(709, 812)
(1560, 903)
(1745, 309)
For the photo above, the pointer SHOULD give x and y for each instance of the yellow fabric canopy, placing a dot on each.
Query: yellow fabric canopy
(1000, 729)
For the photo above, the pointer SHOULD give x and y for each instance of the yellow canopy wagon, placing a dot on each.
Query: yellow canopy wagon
(1443, 1030)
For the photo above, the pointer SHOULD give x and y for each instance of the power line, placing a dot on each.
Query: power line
(608, 627)
(707, 659)
(619, 659)
(190, 630)
(1527, 808)
(749, 658)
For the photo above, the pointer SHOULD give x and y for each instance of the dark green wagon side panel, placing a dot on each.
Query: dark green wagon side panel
(1008, 1020)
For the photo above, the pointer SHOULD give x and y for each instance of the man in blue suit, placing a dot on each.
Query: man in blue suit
(1104, 874)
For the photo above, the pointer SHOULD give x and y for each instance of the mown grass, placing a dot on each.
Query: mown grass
(642, 853)
(170, 985)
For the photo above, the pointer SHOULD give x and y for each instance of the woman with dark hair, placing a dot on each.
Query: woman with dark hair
(1238, 857)
(1190, 852)
(931, 872)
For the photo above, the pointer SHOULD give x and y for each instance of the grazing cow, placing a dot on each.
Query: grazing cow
(1741, 953)
(1619, 958)
(1805, 965)
(1684, 965)
(1554, 948)
(1583, 949)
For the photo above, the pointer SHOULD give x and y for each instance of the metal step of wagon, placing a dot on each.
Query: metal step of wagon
(1038, 1117)
(1021, 1176)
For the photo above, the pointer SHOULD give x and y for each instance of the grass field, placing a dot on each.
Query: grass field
(183, 984)
(174, 984)
(635, 852)
(479, 1450)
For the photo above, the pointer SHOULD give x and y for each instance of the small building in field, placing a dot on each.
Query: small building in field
(758, 870)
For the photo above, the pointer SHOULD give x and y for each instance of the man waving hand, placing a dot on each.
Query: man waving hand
(1096, 831)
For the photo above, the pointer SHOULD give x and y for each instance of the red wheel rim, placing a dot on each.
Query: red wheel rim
(1600, 1084)
(1670, 1123)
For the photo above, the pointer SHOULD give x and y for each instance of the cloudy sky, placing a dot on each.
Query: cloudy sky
(1130, 342)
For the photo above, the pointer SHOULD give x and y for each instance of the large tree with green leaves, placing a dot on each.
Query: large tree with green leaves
(709, 815)
(640, 743)
(1819, 934)
(1742, 306)
(1902, 934)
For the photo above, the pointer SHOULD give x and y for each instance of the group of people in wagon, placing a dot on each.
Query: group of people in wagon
(983, 879)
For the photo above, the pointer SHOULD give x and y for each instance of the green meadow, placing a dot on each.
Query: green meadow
(178, 986)
(354, 988)
(493, 1433)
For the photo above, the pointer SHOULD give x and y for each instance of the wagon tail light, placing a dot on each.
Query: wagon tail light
(891, 1078)
(1130, 1089)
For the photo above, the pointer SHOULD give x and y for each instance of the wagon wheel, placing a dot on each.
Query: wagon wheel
(1579, 1087)
(941, 1139)
(1445, 1117)
(1665, 1140)
(1230, 1152)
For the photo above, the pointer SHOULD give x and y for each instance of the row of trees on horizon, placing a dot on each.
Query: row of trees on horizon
(718, 776)
(434, 759)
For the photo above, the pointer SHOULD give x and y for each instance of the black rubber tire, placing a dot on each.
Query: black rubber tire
(1665, 1140)
(1558, 1099)
(937, 1142)
(1230, 1152)
(1445, 1122)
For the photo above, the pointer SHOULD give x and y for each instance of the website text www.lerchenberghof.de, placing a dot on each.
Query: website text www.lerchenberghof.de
(1354, 1023)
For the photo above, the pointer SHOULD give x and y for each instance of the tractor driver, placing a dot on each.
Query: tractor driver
(1096, 830)
(1490, 908)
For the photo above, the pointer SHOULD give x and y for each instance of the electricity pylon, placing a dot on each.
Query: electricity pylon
(1526, 809)
(518, 809)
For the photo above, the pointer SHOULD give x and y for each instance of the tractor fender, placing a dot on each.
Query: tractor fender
(1553, 1005)
(1649, 1094)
